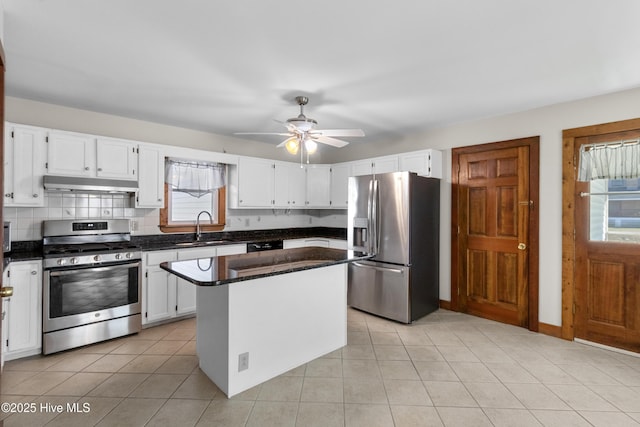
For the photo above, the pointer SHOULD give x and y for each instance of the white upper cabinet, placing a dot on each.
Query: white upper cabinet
(255, 182)
(339, 185)
(376, 165)
(71, 154)
(24, 165)
(297, 185)
(116, 159)
(289, 185)
(424, 162)
(150, 177)
(318, 186)
(385, 164)
(75, 154)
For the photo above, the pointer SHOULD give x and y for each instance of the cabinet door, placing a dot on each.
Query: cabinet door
(318, 186)
(150, 177)
(160, 295)
(425, 163)
(24, 166)
(339, 185)
(297, 186)
(385, 164)
(116, 158)
(281, 185)
(364, 167)
(71, 154)
(186, 291)
(25, 325)
(255, 182)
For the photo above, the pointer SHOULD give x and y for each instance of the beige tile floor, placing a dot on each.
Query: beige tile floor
(446, 369)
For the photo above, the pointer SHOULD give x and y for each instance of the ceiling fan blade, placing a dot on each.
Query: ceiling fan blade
(338, 132)
(261, 133)
(329, 141)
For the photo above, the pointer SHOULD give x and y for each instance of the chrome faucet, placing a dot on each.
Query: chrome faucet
(198, 231)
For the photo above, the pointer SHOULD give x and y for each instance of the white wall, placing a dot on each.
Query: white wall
(547, 122)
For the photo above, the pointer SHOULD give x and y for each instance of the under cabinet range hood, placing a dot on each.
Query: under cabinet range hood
(82, 184)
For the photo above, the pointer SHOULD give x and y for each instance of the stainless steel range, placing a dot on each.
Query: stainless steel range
(92, 283)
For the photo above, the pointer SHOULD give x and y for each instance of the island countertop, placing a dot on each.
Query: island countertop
(228, 269)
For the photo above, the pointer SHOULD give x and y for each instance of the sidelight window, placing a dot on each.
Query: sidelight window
(614, 207)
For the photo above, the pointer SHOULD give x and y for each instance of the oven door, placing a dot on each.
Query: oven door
(82, 295)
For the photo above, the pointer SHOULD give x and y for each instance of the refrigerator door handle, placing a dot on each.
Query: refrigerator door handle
(375, 214)
(383, 269)
(370, 234)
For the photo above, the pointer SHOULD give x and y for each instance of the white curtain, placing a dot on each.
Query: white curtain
(618, 160)
(196, 179)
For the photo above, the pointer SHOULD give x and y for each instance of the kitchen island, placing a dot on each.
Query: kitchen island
(262, 314)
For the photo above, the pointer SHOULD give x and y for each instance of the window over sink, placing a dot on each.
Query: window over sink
(190, 188)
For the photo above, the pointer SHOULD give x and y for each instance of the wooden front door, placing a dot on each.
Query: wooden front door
(607, 266)
(493, 246)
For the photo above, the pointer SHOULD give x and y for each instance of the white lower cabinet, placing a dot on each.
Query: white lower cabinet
(315, 241)
(22, 324)
(164, 296)
(159, 288)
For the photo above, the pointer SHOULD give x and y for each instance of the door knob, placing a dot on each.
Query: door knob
(6, 291)
(522, 246)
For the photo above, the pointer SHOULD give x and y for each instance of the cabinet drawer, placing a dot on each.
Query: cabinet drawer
(232, 249)
(196, 253)
(155, 258)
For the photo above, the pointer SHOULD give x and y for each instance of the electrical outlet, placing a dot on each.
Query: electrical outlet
(243, 362)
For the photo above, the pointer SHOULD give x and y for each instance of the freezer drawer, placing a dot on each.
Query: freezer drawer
(381, 289)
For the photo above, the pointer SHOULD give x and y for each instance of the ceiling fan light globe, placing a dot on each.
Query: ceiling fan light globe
(292, 145)
(311, 146)
(303, 124)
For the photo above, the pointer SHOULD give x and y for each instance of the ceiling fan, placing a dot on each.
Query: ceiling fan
(303, 136)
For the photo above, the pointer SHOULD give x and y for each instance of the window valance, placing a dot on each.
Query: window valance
(613, 160)
(194, 178)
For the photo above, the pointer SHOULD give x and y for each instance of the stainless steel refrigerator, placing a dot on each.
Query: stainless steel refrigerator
(396, 218)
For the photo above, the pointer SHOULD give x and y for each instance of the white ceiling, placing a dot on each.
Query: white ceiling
(387, 67)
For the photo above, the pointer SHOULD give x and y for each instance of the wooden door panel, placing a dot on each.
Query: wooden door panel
(507, 210)
(493, 270)
(606, 292)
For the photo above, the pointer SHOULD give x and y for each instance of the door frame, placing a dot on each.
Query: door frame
(569, 195)
(534, 236)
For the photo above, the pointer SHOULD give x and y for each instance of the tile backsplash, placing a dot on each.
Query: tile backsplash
(26, 223)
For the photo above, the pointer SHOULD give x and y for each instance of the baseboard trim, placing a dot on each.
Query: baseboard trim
(445, 304)
(552, 330)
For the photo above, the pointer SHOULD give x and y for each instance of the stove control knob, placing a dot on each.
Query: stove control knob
(96, 258)
(61, 261)
(128, 255)
(118, 256)
(74, 260)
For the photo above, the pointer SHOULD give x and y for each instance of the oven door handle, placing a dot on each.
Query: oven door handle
(97, 269)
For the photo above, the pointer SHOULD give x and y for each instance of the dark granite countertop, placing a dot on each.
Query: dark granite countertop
(235, 268)
(187, 240)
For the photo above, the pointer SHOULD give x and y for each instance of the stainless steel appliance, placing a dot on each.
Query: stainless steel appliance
(91, 283)
(396, 218)
(270, 245)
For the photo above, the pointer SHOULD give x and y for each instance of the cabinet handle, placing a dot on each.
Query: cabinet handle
(35, 195)
(33, 273)
(159, 200)
(86, 168)
(99, 169)
(7, 195)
